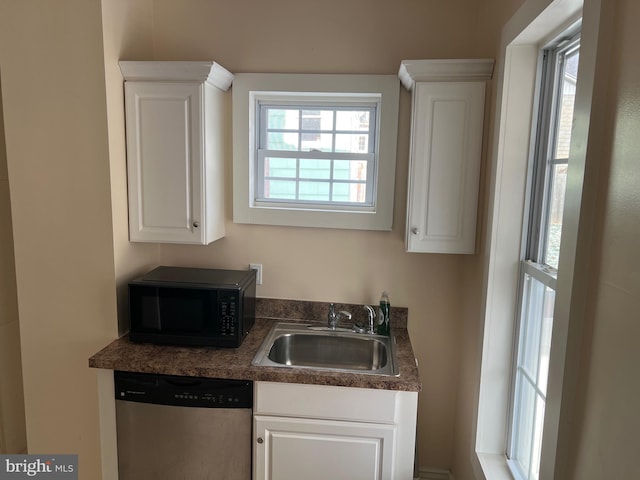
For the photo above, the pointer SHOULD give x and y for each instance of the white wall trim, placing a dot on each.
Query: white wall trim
(107, 418)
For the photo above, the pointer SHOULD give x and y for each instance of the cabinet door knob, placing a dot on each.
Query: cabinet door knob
(415, 231)
(196, 224)
(260, 440)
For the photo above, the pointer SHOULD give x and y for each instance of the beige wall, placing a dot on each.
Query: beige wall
(493, 15)
(604, 437)
(56, 140)
(340, 265)
(127, 34)
(12, 428)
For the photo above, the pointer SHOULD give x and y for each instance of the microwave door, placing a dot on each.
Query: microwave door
(184, 311)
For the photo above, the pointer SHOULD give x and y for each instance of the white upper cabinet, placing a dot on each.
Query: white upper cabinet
(175, 150)
(445, 152)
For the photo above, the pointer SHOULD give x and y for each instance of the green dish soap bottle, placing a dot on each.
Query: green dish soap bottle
(383, 315)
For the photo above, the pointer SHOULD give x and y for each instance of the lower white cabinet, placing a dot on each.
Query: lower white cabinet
(296, 448)
(319, 432)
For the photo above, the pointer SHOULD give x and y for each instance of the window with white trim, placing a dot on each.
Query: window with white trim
(538, 271)
(315, 150)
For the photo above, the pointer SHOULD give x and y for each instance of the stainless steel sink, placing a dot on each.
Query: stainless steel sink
(309, 346)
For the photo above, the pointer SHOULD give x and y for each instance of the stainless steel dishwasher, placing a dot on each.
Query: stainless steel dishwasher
(174, 428)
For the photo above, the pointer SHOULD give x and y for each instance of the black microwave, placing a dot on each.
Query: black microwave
(192, 306)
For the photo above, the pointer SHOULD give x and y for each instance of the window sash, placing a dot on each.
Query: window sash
(548, 131)
(331, 181)
(531, 369)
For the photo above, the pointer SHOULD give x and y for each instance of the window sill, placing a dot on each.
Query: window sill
(493, 467)
(381, 220)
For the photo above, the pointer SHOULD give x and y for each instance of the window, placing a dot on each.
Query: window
(316, 154)
(315, 150)
(538, 269)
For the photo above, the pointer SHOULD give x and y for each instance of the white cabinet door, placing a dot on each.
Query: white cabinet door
(310, 449)
(164, 147)
(446, 146)
(175, 121)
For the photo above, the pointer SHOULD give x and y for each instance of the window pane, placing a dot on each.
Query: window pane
(559, 162)
(556, 209)
(282, 141)
(350, 170)
(341, 193)
(530, 336)
(536, 451)
(310, 120)
(280, 167)
(317, 120)
(524, 432)
(349, 192)
(314, 191)
(548, 304)
(280, 189)
(566, 103)
(352, 143)
(311, 168)
(317, 141)
(535, 336)
(280, 118)
(352, 120)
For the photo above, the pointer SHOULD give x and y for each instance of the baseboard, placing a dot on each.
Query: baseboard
(428, 473)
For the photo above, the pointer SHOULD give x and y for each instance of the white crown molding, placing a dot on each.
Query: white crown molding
(210, 72)
(463, 70)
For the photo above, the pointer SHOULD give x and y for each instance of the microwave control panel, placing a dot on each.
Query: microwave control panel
(229, 314)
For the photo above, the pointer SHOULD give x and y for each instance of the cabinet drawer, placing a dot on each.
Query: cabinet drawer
(319, 401)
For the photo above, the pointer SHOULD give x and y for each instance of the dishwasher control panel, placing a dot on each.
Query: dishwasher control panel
(183, 391)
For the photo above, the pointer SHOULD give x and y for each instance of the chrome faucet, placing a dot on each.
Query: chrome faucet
(372, 315)
(333, 316)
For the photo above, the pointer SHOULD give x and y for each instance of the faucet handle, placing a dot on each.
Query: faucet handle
(332, 318)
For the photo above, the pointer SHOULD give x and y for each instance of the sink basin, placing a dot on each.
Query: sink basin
(308, 346)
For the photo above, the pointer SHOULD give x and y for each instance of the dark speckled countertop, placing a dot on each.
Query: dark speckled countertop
(124, 355)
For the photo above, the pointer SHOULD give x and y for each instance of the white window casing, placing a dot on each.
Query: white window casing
(533, 25)
(254, 94)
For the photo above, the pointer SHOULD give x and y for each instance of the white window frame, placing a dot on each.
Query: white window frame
(535, 23)
(250, 89)
(533, 269)
(320, 101)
